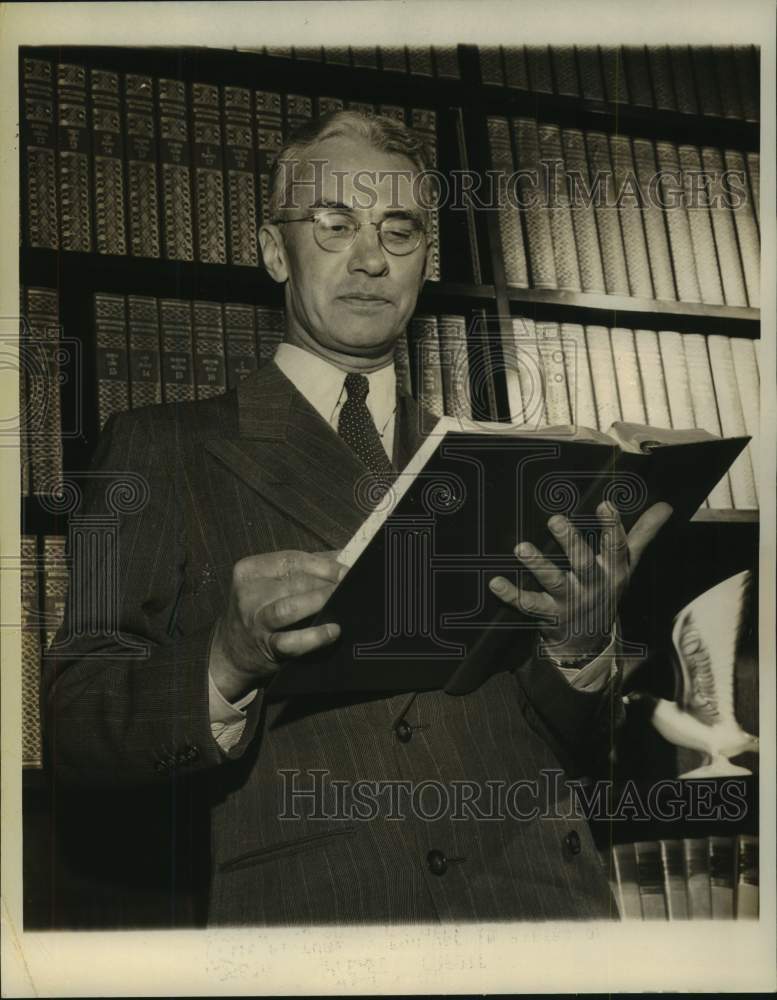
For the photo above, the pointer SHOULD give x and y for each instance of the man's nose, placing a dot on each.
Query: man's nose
(367, 254)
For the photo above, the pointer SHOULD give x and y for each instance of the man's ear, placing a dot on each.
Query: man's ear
(274, 253)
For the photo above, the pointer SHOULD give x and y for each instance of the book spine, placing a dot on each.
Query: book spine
(630, 390)
(491, 67)
(209, 371)
(747, 71)
(565, 70)
(676, 215)
(591, 82)
(516, 69)
(141, 151)
(697, 878)
(42, 311)
(362, 107)
(402, 364)
(392, 111)
(55, 586)
(364, 57)
(603, 375)
(635, 60)
(308, 53)
(614, 73)
(175, 168)
(530, 373)
(726, 77)
(754, 175)
(651, 880)
(31, 653)
(337, 56)
(424, 121)
(472, 236)
(278, 51)
(446, 61)
(327, 105)
(39, 156)
(298, 111)
(589, 254)
(419, 60)
(240, 164)
(393, 59)
(661, 75)
(748, 383)
(722, 876)
(554, 376)
(270, 329)
(145, 365)
(512, 375)
(607, 218)
(626, 879)
(239, 342)
(510, 233)
(653, 379)
(630, 209)
(560, 212)
(706, 84)
(732, 420)
(24, 399)
(580, 387)
(678, 387)
(425, 352)
(702, 240)
(208, 170)
(746, 888)
(110, 322)
(454, 363)
(654, 222)
(540, 71)
(269, 141)
(538, 233)
(747, 237)
(74, 155)
(177, 360)
(107, 142)
(682, 73)
(705, 411)
(674, 879)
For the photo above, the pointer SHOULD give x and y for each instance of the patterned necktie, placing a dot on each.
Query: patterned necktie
(357, 428)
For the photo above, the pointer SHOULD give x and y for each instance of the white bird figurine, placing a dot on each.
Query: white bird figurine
(705, 635)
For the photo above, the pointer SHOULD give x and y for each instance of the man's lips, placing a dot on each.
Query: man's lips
(363, 297)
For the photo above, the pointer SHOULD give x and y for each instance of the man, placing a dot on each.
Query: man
(250, 498)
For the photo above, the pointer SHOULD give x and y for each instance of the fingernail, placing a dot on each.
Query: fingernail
(332, 631)
(497, 585)
(524, 550)
(556, 523)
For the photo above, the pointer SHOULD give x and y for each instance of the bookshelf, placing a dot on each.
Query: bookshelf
(464, 88)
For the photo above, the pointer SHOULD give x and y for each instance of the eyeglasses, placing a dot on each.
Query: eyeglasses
(336, 231)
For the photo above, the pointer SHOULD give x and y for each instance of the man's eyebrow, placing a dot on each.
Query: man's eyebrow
(327, 203)
(401, 213)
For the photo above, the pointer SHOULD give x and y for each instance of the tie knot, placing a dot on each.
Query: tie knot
(357, 386)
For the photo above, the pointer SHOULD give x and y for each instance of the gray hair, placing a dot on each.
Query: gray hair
(381, 132)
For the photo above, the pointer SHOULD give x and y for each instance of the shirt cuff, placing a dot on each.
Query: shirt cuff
(594, 676)
(227, 720)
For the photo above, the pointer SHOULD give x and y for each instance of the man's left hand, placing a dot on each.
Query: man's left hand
(578, 606)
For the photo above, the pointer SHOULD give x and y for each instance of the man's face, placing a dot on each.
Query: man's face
(355, 302)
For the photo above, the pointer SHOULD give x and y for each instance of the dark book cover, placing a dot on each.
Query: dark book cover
(240, 164)
(112, 361)
(208, 164)
(75, 186)
(269, 140)
(140, 146)
(239, 342)
(177, 357)
(110, 225)
(39, 155)
(144, 353)
(209, 370)
(175, 165)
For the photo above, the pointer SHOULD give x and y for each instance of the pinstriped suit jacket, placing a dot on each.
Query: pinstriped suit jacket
(258, 470)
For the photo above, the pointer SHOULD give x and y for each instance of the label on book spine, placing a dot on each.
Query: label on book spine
(144, 354)
(208, 174)
(141, 151)
(241, 169)
(39, 160)
(110, 321)
(177, 361)
(209, 371)
(31, 653)
(74, 170)
(239, 342)
(175, 161)
(110, 219)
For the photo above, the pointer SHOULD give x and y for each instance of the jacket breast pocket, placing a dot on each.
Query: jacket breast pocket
(287, 848)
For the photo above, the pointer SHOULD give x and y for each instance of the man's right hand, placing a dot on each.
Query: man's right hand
(270, 592)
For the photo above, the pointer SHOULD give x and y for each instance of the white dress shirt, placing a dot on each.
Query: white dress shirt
(323, 386)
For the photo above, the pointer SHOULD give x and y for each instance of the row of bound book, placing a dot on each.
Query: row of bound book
(44, 583)
(130, 164)
(719, 81)
(439, 61)
(586, 211)
(558, 374)
(700, 878)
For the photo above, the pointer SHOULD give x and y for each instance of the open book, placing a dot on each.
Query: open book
(415, 608)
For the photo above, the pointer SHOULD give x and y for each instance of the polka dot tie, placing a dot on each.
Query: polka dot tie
(357, 428)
